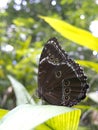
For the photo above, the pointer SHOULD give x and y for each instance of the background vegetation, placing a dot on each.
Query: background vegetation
(22, 37)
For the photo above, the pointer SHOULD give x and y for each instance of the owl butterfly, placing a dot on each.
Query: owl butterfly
(61, 81)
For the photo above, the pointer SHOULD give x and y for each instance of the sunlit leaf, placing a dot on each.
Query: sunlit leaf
(3, 112)
(27, 117)
(73, 33)
(22, 96)
(90, 64)
(70, 121)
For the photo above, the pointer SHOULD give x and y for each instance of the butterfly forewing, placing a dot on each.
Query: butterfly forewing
(61, 81)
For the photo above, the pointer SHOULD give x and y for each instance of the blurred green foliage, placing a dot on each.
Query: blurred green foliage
(23, 34)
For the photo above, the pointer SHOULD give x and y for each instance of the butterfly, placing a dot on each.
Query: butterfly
(61, 81)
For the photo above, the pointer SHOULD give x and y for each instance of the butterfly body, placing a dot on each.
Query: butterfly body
(61, 81)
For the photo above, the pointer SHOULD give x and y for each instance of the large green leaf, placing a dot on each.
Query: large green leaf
(73, 33)
(41, 117)
(22, 96)
(3, 112)
(92, 65)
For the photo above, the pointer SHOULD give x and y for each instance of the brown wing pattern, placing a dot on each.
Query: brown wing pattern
(61, 81)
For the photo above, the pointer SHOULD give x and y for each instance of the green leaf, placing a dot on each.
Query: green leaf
(41, 117)
(93, 96)
(3, 112)
(22, 96)
(23, 21)
(27, 42)
(80, 36)
(92, 65)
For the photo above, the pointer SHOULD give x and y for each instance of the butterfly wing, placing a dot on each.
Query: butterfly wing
(61, 81)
